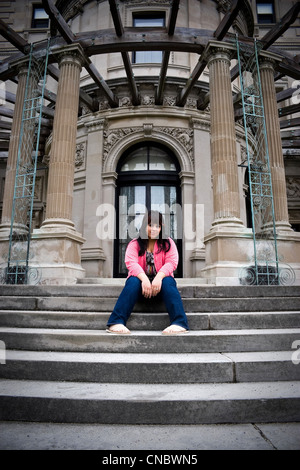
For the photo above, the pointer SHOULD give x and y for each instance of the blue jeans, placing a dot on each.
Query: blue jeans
(132, 292)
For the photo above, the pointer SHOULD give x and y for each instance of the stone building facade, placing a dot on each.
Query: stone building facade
(128, 133)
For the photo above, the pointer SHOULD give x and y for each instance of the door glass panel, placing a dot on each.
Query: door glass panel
(132, 206)
(163, 199)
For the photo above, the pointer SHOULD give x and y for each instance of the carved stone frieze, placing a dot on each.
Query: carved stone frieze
(182, 135)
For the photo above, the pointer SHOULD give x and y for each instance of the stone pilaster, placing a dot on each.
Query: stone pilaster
(274, 144)
(92, 252)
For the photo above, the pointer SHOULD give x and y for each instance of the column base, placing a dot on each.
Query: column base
(56, 254)
(230, 250)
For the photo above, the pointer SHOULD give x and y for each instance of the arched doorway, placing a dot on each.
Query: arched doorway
(148, 178)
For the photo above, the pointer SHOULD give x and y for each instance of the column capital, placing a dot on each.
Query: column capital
(71, 53)
(268, 60)
(22, 64)
(216, 50)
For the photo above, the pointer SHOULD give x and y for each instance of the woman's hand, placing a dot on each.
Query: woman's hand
(146, 285)
(146, 288)
(156, 283)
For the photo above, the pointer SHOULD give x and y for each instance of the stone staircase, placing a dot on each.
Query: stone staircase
(234, 366)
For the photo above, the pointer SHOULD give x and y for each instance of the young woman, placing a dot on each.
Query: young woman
(151, 261)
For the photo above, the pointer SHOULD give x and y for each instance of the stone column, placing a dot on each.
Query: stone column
(274, 144)
(223, 140)
(13, 150)
(22, 205)
(62, 161)
(57, 245)
(226, 244)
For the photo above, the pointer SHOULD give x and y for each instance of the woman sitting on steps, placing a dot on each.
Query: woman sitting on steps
(151, 261)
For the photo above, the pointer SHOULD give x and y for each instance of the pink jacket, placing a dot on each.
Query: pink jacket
(164, 262)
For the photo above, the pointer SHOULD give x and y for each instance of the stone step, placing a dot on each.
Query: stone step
(150, 368)
(113, 290)
(46, 339)
(77, 402)
(148, 321)
(106, 304)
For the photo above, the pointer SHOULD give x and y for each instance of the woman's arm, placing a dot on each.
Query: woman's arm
(132, 259)
(171, 260)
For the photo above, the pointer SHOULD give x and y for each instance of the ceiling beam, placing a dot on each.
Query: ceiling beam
(23, 46)
(69, 37)
(219, 34)
(289, 67)
(184, 93)
(5, 125)
(286, 94)
(125, 55)
(173, 17)
(285, 111)
(114, 9)
(14, 38)
(228, 19)
(289, 123)
(274, 33)
(166, 54)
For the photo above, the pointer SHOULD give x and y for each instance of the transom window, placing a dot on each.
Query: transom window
(148, 20)
(148, 158)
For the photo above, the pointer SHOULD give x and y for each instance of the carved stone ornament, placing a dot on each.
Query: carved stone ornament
(149, 2)
(114, 136)
(293, 187)
(80, 156)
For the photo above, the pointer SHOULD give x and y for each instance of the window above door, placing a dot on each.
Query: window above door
(148, 20)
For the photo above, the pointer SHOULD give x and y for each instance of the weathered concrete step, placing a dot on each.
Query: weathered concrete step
(149, 341)
(148, 321)
(150, 368)
(114, 290)
(74, 402)
(106, 304)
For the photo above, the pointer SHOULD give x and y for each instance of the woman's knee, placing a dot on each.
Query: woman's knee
(168, 282)
(133, 282)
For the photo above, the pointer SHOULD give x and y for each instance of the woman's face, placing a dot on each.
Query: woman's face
(153, 230)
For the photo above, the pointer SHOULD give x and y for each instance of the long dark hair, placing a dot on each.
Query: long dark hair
(162, 242)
